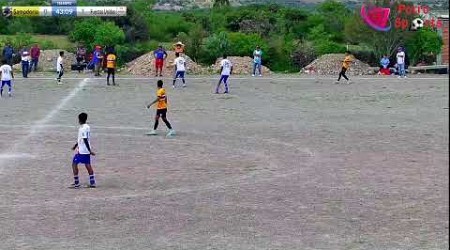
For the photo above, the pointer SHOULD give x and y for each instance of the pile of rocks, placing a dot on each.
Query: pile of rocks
(241, 66)
(331, 64)
(48, 58)
(145, 65)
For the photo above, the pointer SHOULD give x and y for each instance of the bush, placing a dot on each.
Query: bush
(303, 55)
(244, 44)
(215, 46)
(94, 31)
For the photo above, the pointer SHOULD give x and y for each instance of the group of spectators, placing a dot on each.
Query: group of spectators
(29, 58)
(399, 66)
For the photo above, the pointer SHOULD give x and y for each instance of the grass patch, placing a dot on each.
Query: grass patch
(45, 41)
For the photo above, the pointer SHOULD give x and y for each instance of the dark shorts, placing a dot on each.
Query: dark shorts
(111, 71)
(179, 74)
(6, 83)
(81, 159)
(224, 78)
(161, 112)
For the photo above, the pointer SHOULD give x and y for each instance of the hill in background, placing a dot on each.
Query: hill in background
(177, 5)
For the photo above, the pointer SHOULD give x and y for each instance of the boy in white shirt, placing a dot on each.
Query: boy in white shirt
(401, 63)
(6, 74)
(226, 69)
(83, 153)
(59, 66)
(180, 69)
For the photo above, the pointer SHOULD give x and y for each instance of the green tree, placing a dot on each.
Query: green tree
(215, 46)
(95, 31)
(335, 15)
(423, 43)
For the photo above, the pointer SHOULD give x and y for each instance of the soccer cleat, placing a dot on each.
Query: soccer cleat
(336, 82)
(173, 86)
(349, 82)
(9, 94)
(259, 75)
(226, 92)
(399, 77)
(153, 132)
(253, 74)
(75, 186)
(184, 85)
(91, 186)
(171, 133)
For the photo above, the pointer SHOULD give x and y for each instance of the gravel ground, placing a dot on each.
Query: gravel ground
(280, 163)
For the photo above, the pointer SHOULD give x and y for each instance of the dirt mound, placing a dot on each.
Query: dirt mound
(48, 58)
(331, 64)
(241, 65)
(145, 65)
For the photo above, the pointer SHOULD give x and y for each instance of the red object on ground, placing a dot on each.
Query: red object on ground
(385, 71)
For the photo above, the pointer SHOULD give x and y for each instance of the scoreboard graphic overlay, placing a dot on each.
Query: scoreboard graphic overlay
(64, 8)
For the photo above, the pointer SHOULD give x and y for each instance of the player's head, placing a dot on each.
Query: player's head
(347, 52)
(160, 83)
(82, 118)
(225, 56)
(4, 61)
(257, 47)
(177, 54)
(160, 46)
(61, 53)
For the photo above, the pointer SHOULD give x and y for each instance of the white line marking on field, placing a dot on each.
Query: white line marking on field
(12, 156)
(248, 78)
(33, 129)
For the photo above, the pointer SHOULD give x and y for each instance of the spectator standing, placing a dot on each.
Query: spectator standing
(257, 60)
(35, 53)
(81, 57)
(401, 56)
(160, 55)
(98, 60)
(8, 54)
(178, 48)
(25, 61)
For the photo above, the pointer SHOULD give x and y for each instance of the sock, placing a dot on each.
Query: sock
(76, 180)
(156, 125)
(183, 81)
(92, 179)
(173, 82)
(226, 86)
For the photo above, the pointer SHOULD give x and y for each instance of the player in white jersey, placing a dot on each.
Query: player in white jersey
(83, 152)
(6, 75)
(180, 69)
(60, 67)
(226, 69)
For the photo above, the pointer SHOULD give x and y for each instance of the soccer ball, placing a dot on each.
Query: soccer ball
(417, 24)
(6, 12)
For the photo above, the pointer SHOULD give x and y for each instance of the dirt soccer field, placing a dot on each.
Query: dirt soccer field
(280, 163)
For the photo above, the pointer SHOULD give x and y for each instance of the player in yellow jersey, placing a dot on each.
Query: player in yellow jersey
(111, 59)
(161, 110)
(345, 66)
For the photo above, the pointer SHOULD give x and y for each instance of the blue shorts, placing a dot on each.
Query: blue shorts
(81, 159)
(6, 83)
(224, 78)
(179, 74)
